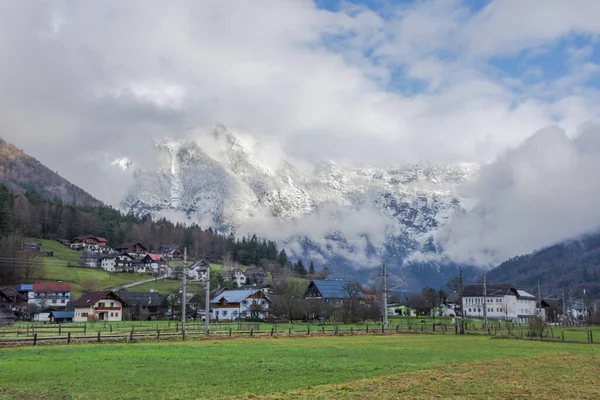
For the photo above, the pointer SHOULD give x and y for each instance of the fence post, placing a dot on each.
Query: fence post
(351, 330)
(272, 330)
(591, 336)
(251, 332)
(177, 327)
(59, 330)
(131, 336)
(308, 330)
(382, 328)
(182, 333)
(433, 325)
(367, 329)
(110, 326)
(27, 331)
(323, 329)
(562, 334)
(289, 331)
(132, 327)
(335, 331)
(158, 334)
(68, 337)
(98, 336)
(34, 339)
(84, 329)
(422, 325)
(230, 332)
(397, 327)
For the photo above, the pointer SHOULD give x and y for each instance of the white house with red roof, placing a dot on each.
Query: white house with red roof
(154, 263)
(49, 294)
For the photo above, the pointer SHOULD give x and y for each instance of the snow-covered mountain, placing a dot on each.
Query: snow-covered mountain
(350, 218)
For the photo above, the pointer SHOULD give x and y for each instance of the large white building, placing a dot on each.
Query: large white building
(502, 302)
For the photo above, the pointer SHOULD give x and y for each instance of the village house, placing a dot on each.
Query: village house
(331, 291)
(55, 295)
(231, 305)
(88, 242)
(116, 263)
(89, 259)
(10, 301)
(144, 305)
(170, 251)
(134, 249)
(152, 263)
(236, 275)
(502, 302)
(98, 306)
(256, 275)
(198, 271)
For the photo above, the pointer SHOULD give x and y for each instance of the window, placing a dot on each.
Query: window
(101, 304)
(117, 314)
(234, 313)
(112, 314)
(84, 314)
(112, 304)
(53, 301)
(224, 313)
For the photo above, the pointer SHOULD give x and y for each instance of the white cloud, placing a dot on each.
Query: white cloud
(537, 194)
(86, 82)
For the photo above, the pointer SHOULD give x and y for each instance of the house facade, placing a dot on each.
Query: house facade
(236, 275)
(152, 263)
(98, 306)
(89, 259)
(231, 305)
(89, 242)
(256, 275)
(170, 251)
(55, 295)
(501, 301)
(144, 305)
(134, 249)
(198, 271)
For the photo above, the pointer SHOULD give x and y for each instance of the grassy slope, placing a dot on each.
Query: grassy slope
(206, 369)
(56, 269)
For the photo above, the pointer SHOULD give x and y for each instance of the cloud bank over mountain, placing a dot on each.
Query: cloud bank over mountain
(360, 83)
(542, 192)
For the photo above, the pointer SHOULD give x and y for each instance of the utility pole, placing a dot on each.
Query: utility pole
(184, 297)
(462, 303)
(384, 298)
(207, 307)
(583, 311)
(564, 307)
(485, 304)
(539, 309)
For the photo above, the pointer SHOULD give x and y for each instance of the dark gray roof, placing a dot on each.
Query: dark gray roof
(148, 299)
(492, 290)
(333, 289)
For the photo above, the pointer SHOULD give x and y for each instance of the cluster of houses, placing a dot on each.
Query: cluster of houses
(127, 257)
(53, 301)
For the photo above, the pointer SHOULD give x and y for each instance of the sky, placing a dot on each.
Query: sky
(358, 82)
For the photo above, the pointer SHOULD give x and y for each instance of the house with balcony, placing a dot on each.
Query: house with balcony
(152, 263)
(231, 305)
(55, 295)
(88, 242)
(134, 249)
(98, 306)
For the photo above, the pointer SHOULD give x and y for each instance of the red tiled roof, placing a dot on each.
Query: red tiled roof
(154, 257)
(51, 287)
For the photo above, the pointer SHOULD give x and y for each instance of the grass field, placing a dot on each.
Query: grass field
(55, 268)
(398, 366)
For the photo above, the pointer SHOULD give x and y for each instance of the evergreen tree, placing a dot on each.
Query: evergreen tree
(300, 268)
(282, 260)
(6, 218)
(311, 268)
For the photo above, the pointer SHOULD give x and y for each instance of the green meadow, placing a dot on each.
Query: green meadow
(394, 366)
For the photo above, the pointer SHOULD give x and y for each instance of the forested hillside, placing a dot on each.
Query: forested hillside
(29, 214)
(571, 265)
(22, 173)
